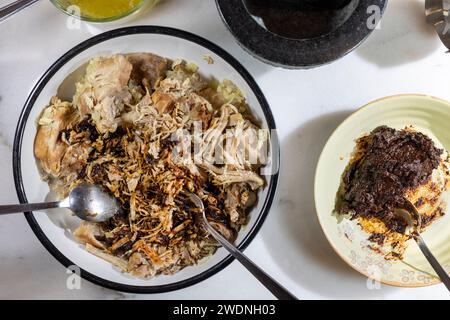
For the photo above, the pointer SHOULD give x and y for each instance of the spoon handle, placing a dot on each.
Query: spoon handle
(14, 7)
(433, 262)
(273, 286)
(26, 207)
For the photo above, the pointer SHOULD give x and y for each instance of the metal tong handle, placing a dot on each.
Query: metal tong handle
(16, 6)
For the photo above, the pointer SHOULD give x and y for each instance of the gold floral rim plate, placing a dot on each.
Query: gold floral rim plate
(427, 114)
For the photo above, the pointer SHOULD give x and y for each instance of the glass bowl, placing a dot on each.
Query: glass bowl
(69, 7)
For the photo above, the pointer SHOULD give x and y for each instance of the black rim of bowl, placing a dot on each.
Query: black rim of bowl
(271, 187)
(301, 53)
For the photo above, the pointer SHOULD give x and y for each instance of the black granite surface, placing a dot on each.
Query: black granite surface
(298, 33)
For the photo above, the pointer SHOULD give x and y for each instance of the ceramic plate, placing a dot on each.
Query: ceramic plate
(54, 229)
(432, 117)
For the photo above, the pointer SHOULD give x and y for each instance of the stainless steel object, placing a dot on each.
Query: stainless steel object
(88, 202)
(273, 286)
(437, 14)
(10, 9)
(413, 218)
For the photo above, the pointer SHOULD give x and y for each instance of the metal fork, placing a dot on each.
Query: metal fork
(273, 286)
(413, 219)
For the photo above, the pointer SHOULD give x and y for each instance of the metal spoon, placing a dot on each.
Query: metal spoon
(12, 8)
(412, 216)
(273, 286)
(87, 201)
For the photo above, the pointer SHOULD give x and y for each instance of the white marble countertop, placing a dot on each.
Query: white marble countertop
(404, 56)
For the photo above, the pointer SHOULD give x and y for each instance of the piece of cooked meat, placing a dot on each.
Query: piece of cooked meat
(61, 153)
(148, 68)
(223, 177)
(55, 155)
(162, 102)
(180, 81)
(49, 148)
(104, 91)
(88, 232)
(238, 198)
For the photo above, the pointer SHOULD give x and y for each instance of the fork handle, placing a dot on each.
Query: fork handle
(442, 274)
(272, 285)
(14, 7)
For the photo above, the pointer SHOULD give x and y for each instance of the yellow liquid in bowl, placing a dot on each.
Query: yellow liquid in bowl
(103, 9)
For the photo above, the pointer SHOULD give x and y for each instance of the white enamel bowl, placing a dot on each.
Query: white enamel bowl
(54, 228)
